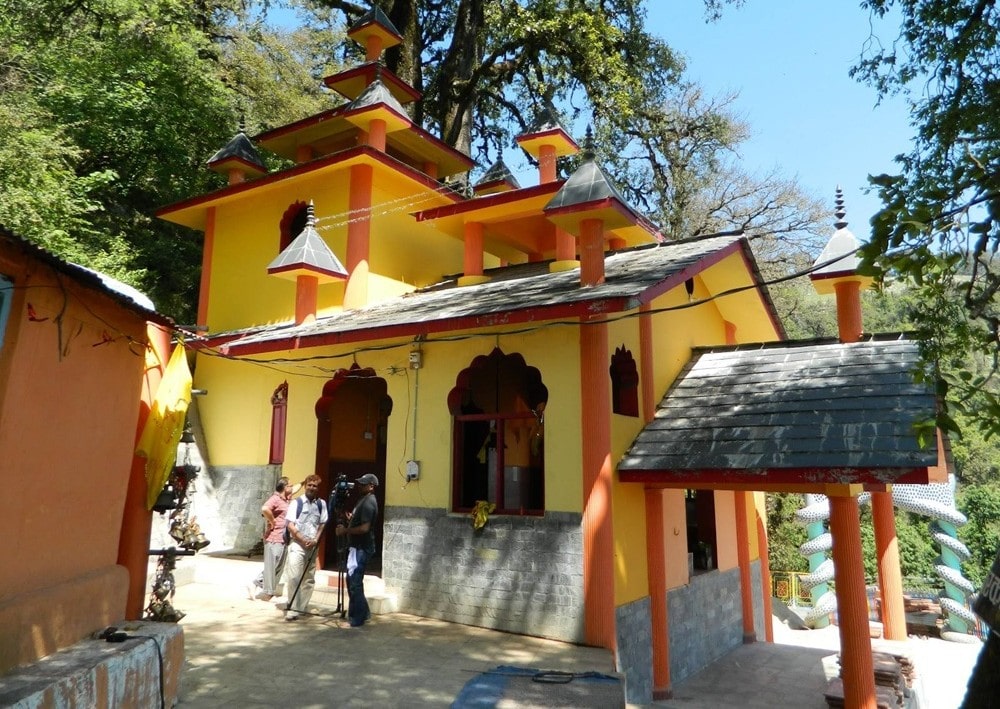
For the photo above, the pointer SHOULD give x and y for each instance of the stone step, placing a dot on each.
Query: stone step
(325, 593)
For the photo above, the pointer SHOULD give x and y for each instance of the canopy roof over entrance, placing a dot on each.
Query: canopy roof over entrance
(812, 413)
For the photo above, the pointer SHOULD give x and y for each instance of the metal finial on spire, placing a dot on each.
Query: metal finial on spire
(378, 71)
(243, 123)
(588, 144)
(840, 211)
(311, 215)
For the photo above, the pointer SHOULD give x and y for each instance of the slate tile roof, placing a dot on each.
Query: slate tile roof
(630, 274)
(799, 406)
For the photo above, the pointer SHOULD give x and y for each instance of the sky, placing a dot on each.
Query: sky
(789, 61)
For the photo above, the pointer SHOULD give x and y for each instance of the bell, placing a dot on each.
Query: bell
(195, 541)
(165, 501)
(177, 531)
(187, 436)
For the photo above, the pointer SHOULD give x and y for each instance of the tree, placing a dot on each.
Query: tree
(110, 109)
(488, 67)
(939, 224)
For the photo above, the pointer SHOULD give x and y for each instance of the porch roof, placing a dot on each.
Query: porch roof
(814, 412)
(523, 293)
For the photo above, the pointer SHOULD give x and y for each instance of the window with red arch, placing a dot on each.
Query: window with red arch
(498, 413)
(293, 221)
(279, 420)
(624, 383)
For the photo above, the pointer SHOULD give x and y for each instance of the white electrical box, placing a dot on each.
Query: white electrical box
(412, 470)
(416, 359)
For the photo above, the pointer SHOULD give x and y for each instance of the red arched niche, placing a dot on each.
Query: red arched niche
(624, 383)
(293, 221)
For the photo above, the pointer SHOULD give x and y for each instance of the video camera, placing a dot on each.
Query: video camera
(340, 492)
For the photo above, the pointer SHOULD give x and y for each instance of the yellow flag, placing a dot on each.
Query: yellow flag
(162, 432)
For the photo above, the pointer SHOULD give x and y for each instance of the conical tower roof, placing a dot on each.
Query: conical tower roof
(497, 179)
(238, 153)
(308, 254)
(588, 186)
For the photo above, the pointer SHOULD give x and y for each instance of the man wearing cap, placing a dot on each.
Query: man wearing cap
(361, 542)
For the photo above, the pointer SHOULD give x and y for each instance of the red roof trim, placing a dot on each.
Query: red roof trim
(486, 201)
(615, 204)
(306, 167)
(802, 476)
(542, 134)
(834, 274)
(302, 266)
(409, 330)
(369, 68)
(251, 166)
(367, 108)
(303, 123)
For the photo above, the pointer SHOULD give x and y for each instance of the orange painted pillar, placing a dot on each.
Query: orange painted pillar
(890, 579)
(236, 176)
(592, 252)
(546, 164)
(565, 245)
(857, 669)
(473, 261)
(376, 134)
(598, 544)
(306, 298)
(373, 48)
(657, 564)
(765, 578)
(431, 169)
(848, 310)
(359, 202)
(615, 243)
(303, 153)
(137, 521)
(655, 546)
(743, 559)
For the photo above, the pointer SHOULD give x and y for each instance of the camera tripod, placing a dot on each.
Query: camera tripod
(341, 555)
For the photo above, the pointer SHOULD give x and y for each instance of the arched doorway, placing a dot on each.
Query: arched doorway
(352, 418)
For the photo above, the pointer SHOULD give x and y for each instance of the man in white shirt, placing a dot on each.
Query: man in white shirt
(306, 520)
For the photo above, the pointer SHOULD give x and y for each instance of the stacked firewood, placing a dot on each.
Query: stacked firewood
(894, 675)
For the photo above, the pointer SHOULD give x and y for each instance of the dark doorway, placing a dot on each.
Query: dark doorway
(352, 420)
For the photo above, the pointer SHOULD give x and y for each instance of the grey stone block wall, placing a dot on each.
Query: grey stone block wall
(706, 621)
(518, 574)
(633, 627)
(227, 504)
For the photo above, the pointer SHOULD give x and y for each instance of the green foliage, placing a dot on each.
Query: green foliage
(109, 111)
(488, 67)
(981, 505)
(785, 535)
(939, 224)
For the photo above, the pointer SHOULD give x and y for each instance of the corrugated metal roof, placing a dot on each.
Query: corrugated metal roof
(811, 405)
(126, 296)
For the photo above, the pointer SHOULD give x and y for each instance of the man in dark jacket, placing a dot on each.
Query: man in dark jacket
(360, 530)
